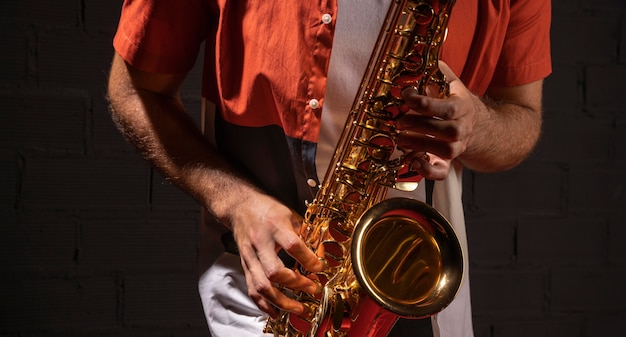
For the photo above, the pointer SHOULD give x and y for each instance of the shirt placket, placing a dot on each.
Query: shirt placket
(321, 43)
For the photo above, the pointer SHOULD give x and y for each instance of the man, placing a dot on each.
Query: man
(281, 100)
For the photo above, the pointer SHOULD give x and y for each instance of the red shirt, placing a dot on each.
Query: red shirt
(273, 56)
(266, 60)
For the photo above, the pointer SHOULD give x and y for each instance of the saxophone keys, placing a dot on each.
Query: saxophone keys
(339, 231)
(301, 323)
(423, 13)
(340, 318)
(334, 253)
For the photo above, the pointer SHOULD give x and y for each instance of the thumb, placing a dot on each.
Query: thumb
(446, 70)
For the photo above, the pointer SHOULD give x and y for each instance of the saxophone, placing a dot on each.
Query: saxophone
(384, 258)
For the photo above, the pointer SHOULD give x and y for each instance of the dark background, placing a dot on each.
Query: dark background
(93, 242)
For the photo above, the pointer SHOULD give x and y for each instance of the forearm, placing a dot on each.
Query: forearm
(159, 127)
(504, 135)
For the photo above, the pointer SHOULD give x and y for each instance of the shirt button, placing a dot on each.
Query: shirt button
(311, 182)
(327, 18)
(314, 104)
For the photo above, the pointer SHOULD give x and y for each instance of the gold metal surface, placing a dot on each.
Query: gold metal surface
(407, 258)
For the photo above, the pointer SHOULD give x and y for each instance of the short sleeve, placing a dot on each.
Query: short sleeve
(161, 36)
(525, 55)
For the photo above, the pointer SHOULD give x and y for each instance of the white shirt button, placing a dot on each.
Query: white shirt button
(314, 104)
(311, 182)
(327, 18)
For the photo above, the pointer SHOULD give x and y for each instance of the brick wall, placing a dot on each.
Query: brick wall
(95, 243)
(546, 239)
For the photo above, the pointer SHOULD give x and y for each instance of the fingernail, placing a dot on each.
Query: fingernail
(322, 263)
(297, 309)
(314, 289)
(409, 91)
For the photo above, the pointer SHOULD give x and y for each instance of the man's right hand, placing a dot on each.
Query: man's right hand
(148, 111)
(261, 227)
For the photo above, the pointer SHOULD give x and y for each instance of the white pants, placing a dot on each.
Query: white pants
(230, 312)
(228, 309)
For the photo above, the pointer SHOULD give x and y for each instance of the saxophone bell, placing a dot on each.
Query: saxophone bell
(406, 257)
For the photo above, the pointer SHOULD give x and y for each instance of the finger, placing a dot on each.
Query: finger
(446, 70)
(263, 292)
(273, 267)
(294, 280)
(271, 299)
(446, 109)
(442, 129)
(264, 305)
(256, 297)
(294, 246)
(277, 273)
(424, 143)
(430, 169)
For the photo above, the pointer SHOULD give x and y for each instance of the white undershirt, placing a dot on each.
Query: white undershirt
(356, 30)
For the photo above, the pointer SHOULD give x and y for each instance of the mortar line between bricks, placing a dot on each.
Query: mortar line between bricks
(151, 188)
(81, 15)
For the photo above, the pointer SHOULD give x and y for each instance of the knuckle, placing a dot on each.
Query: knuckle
(272, 273)
(453, 133)
(261, 288)
(255, 237)
(449, 112)
(255, 296)
(292, 242)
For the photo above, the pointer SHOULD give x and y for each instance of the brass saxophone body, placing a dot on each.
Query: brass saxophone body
(390, 258)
